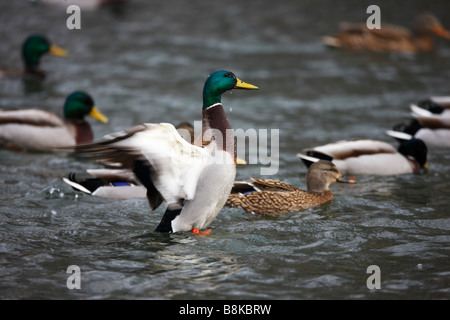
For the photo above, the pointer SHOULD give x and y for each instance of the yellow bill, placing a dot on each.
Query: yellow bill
(98, 115)
(346, 180)
(241, 161)
(58, 51)
(242, 85)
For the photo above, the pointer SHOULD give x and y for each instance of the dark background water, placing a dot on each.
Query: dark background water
(146, 61)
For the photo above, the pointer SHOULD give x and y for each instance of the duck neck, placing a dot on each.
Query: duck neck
(82, 131)
(317, 185)
(215, 126)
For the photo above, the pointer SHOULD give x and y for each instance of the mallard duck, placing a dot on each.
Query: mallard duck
(357, 37)
(34, 47)
(118, 184)
(274, 197)
(373, 157)
(34, 129)
(430, 123)
(194, 181)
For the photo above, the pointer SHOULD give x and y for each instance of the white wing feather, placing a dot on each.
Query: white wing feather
(177, 163)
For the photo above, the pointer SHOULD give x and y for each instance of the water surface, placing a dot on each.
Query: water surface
(147, 61)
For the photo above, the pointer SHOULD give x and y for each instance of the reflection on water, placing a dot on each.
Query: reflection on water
(146, 61)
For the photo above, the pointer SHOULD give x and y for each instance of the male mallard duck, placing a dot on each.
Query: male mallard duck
(118, 184)
(365, 156)
(195, 181)
(431, 122)
(33, 129)
(357, 37)
(32, 50)
(274, 198)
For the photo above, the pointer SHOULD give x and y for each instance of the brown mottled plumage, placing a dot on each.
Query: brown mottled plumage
(274, 197)
(357, 37)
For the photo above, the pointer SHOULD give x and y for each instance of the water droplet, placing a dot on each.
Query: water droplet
(419, 266)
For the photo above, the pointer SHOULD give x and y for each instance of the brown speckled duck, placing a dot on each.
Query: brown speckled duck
(357, 37)
(274, 198)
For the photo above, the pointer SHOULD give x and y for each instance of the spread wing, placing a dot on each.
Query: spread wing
(166, 164)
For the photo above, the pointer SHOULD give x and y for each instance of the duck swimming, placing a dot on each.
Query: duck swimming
(194, 181)
(357, 37)
(430, 123)
(274, 198)
(39, 130)
(34, 47)
(373, 157)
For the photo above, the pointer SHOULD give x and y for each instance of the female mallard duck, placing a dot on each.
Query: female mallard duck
(33, 129)
(357, 37)
(365, 156)
(431, 122)
(34, 47)
(274, 198)
(195, 181)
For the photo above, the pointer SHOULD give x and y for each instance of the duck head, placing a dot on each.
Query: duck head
(34, 47)
(322, 174)
(428, 24)
(220, 82)
(79, 104)
(416, 149)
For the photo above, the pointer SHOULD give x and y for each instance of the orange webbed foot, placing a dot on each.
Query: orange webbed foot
(201, 233)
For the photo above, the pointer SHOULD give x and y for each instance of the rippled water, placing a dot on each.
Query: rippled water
(146, 61)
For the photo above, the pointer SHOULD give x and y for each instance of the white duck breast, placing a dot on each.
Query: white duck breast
(214, 185)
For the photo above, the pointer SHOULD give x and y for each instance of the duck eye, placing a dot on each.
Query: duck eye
(228, 75)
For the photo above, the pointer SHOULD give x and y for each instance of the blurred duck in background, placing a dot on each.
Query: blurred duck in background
(357, 37)
(34, 47)
(430, 123)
